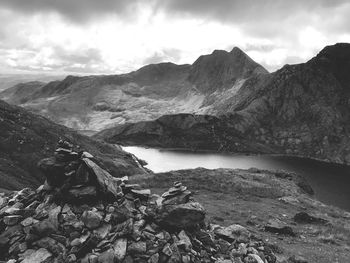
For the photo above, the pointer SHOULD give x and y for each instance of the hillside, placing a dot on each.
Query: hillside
(25, 138)
(184, 131)
(99, 102)
(298, 110)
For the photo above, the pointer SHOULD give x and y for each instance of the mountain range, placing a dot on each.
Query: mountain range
(224, 101)
(298, 110)
(98, 102)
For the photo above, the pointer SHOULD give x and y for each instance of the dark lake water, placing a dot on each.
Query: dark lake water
(330, 182)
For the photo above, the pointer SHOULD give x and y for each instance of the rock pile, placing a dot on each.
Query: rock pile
(83, 214)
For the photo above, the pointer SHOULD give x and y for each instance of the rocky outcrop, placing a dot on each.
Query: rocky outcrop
(26, 138)
(118, 223)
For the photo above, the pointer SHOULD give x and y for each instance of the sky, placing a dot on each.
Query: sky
(119, 36)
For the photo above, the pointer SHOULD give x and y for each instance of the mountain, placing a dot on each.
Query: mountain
(25, 138)
(10, 80)
(19, 92)
(298, 110)
(99, 102)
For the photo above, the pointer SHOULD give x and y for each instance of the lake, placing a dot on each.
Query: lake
(330, 182)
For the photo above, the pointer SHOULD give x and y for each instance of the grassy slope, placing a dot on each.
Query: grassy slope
(250, 198)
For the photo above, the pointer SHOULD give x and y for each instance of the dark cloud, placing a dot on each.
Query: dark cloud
(238, 11)
(246, 10)
(76, 10)
(265, 18)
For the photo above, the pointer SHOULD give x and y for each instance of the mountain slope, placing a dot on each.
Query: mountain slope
(184, 131)
(298, 110)
(25, 138)
(98, 102)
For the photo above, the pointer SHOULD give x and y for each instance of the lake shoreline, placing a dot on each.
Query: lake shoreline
(237, 153)
(328, 180)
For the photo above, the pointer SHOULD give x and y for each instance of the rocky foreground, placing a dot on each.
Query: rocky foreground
(83, 214)
(277, 206)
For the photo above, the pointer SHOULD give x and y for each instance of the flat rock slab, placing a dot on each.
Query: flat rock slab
(105, 179)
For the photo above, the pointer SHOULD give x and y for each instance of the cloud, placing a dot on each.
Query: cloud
(75, 10)
(245, 11)
(166, 55)
(118, 36)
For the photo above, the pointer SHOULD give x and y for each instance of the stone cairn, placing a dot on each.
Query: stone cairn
(83, 214)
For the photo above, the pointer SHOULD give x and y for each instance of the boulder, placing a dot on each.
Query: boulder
(184, 241)
(305, 218)
(137, 248)
(181, 216)
(232, 233)
(105, 180)
(276, 226)
(91, 219)
(43, 228)
(12, 220)
(120, 246)
(39, 256)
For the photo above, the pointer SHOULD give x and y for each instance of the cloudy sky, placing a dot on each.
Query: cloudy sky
(117, 36)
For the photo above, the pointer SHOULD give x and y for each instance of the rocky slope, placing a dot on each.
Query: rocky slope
(25, 138)
(298, 110)
(84, 214)
(185, 131)
(98, 102)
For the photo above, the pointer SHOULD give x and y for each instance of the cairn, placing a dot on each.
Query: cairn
(83, 214)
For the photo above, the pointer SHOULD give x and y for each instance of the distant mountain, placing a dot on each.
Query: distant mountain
(26, 138)
(10, 80)
(98, 102)
(300, 109)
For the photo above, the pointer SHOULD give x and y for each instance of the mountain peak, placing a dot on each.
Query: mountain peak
(237, 50)
(221, 69)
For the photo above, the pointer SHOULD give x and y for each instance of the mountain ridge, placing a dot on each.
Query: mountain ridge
(97, 102)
